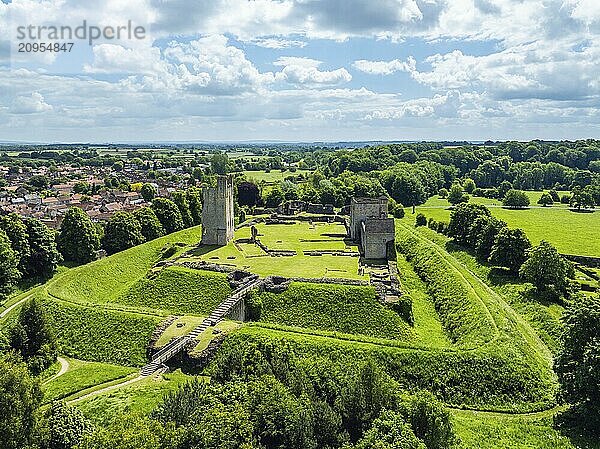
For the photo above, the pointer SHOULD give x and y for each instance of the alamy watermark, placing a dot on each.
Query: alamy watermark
(62, 38)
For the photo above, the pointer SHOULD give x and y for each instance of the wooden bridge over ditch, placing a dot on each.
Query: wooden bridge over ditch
(233, 305)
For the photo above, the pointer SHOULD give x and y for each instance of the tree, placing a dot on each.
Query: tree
(168, 214)
(554, 195)
(78, 240)
(148, 192)
(469, 185)
(149, 223)
(193, 197)
(9, 273)
(81, 187)
(457, 195)
(32, 338)
(546, 268)
(126, 432)
(515, 199)
(578, 362)
(489, 227)
(581, 199)
(503, 188)
(431, 421)
(219, 163)
(122, 231)
(248, 194)
(462, 218)
(19, 240)
(390, 431)
(274, 197)
(118, 166)
(66, 426)
(180, 199)
(43, 256)
(546, 200)
(40, 182)
(421, 220)
(510, 249)
(20, 397)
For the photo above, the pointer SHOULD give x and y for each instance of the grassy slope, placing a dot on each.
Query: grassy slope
(82, 375)
(140, 397)
(342, 308)
(178, 290)
(570, 232)
(105, 280)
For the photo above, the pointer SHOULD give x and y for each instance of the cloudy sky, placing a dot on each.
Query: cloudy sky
(306, 70)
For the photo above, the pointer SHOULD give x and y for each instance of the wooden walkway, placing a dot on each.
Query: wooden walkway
(178, 344)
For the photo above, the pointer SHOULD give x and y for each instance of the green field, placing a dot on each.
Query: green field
(274, 175)
(571, 232)
(299, 237)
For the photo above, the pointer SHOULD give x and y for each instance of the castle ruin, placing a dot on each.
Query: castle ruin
(217, 212)
(371, 227)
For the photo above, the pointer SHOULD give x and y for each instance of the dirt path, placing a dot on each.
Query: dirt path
(64, 367)
(14, 306)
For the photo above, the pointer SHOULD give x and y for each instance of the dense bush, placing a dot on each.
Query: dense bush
(122, 231)
(515, 199)
(421, 220)
(341, 308)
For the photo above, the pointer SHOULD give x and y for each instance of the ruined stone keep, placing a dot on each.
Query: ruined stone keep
(217, 212)
(371, 227)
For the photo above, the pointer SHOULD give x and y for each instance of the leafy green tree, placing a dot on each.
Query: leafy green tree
(168, 214)
(421, 220)
(510, 249)
(469, 185)
(457, 195)
(274, 196)
(462, 218)
(81, 187)
(150, 225)
(578, 362)
(32, 337)
(180, 199)
(122, 231)
(405, 187)
(43, 257)
(219, 163)
(66, 426)
(443, 193)
(581, 199)
(546, 268)
(390, 431)
(515, 199)
(554, 195)
(489, 227)
(546, 200)
(194, 196)
(248, 194)
(9, 273)
(503, 188)
(431, 421)
(40, 182)
(128, 432)
(20, 397)
(19, 240)
(78, 239)
(148, 192)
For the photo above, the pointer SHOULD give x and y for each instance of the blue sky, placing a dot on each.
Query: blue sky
(304, 70)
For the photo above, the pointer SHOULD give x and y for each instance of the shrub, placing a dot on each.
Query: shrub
(515, 199)
(421, 220)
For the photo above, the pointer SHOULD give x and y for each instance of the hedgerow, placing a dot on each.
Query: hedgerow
(461, 311)
(179, 290)
(341, 308)
(100, 335)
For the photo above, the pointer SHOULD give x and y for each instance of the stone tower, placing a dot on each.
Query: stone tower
(217, 212)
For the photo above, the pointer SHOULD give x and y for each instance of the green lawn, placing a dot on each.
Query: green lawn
(140, 397)
(82, 375)
(496, 431)
(570, 232)
(299, 237)
(273, 175)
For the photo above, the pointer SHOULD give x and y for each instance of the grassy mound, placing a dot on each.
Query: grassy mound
(105, 280)
(179, 290)
(341, 308)
(100, 335)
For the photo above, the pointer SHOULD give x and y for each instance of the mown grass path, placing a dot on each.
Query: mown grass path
(64, 367)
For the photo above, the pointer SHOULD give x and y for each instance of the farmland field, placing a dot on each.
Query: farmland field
(274, 175)
(571, 232)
